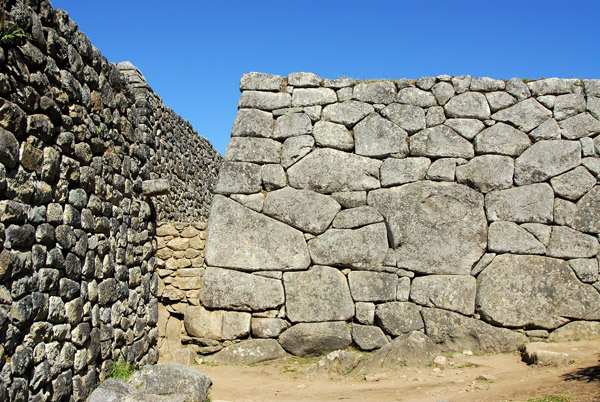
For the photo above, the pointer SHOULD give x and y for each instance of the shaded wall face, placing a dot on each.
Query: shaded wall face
(449, 205)
(78, 137)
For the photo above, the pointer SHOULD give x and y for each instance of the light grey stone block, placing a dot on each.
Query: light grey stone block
(291, 125)
(252, 123)
(400, 171)
(314, 339)
(372, 286)
(239, 177)
(508, 237)
(587, 218)
(332, 135)
(467, 128)
(440, 141)
(573, 184)
(526, 115)
(586, 269)
(254, 150)
(468, 105)
(219, 325)
(375, 92)
(501, 139)
(442, 170)
(296, 148)
(487, 173)
(377, 137)
(264, 100)
(568, 243)
(365, 313)
(409, 117)
(568, 105)
(299, 80)
(442, 91)
(347, 113)
(313, 96)
(546, 159)
(356, 217)
(578, 126)
(368, 337)
(548, 130)
(416, 97)
(397, 318)
(261, 82)
(500, 100)
(532, 203)
(450, 292)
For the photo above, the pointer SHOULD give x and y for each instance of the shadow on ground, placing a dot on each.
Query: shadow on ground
(587, 374)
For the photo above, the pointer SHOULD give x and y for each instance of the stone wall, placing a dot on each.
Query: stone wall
(355, 212)
(81, 140)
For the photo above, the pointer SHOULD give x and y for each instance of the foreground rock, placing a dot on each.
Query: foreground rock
(585, 330)
(314, 339)
(541, 355)
(249, 352)
(412, 349)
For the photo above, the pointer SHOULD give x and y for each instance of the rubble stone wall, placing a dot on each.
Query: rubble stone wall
(354, 212)
(82, 141)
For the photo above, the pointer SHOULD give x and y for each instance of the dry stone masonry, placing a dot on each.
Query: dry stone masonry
(84, 143)
(349, 212)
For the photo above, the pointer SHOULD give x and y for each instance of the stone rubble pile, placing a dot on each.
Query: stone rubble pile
(80, 140)
(352, 212)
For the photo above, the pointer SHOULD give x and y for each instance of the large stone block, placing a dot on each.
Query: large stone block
(408, 117)
(320, 294)
(533, 291)
(233, 290)
(296, 148)
(314, 339)
(526, 115)
(573, 184)
(375, 92)
(264, 100)
(412, 349)
(255, 150)
(251, 351)
(364, 247)
(356, 217)
(218, 325)
(508, 237)
(333, 135)
(546, 159)
(368, 337)
(373, 286)
(303, 209)
(273, 245)
(440, 141)
(568, 243)
(532, 203)
(468, 105)
(587, 217)
(397, 318)
(329, 170)
(450, 292)
(252, 123)
(435, 227)
(455, 332)
(347, 113)
(377, 137)
(395, 171)
(239, 177)
(486, 173)
(501, 139)
(291, 125)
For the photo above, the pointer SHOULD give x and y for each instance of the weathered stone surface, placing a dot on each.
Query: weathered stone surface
(517, 88)
(377, 137)
(548, 130)
(238, 177)
(351, 199)
(435, 116)
(115, 389)
(486, 173)
(332, 135)
(253, 201)
(347, 113)
(412, 349)
(273, 177)
(455, 332)
(365, 313)
(531, 203)
(468, 105)
(291, 125)
(440, 141)
(540, 231)
(252, 123)
(450, 292)
(338, 363)
(302, 79)
(552, 86)
(442, 169)
(296, 148)
(501, 139)
(533, 291)
(508, 237)
(368, 337)
(320, 294)
(468, 128)
(152, 188)
(581, 125)
(526, 115)
(314, 339)
(218, 325)
(329, 170)
(256, 150)
(375, 92)
(584, 330)
(165, 379)
(313, 96)
(400, 171)
(442, 91)
(482, 263)
(587, 218)
(500, 100)
(274, 245)
(397, 318)
(573, 184)
(251, 351)
(303, 209)
(540, 355)
(568, 105)
(435, 227)
(416, 97)
(586, 269)
(486, 84)
(564, 212)
(363, 248)
(408, 117)
(546, 159)
(593, 106)
(264, 100)
(568, 243)
(372, 286)
(356, 217)
(9, 149)
(261, 82)
(268, 327)
(233, 290)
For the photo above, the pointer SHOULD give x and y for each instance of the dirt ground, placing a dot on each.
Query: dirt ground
(492, 377)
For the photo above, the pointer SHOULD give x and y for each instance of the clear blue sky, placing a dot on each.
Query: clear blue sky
(193, 53)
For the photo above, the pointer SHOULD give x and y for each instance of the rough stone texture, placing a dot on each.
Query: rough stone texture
(332, 135)
(415, 97)
(450, 292)
(412, 349)
(568, 243)
(533, 291)
(468, 128)
(219, 325)
(408, 117)
(165, 379)
(573, 184)
(356, 217)
(262, 82)
(397, 318)
(375, 92)
(238, 177)
(364, 247)
(291, 125)
(377, 137)
(586, 217)
(249, 352)
(455, 332)
(526, 115)
(532, 203)
(264, 100)
(440, 141)
(320, 294)
(368, 337)
(400, 171)
(272, 246)
(581, 125)
(501, 139)
(255, 150)
(372, 286)
(486, 173)
(294, 149)
(347, 113)
(579, 329)
(268, 327)
(303, 209)
(540, 355)
(421, 216)
(508, 237)
(546, 159)
(313, 339)
(329, 170)
(233, 290)
(468, 105)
